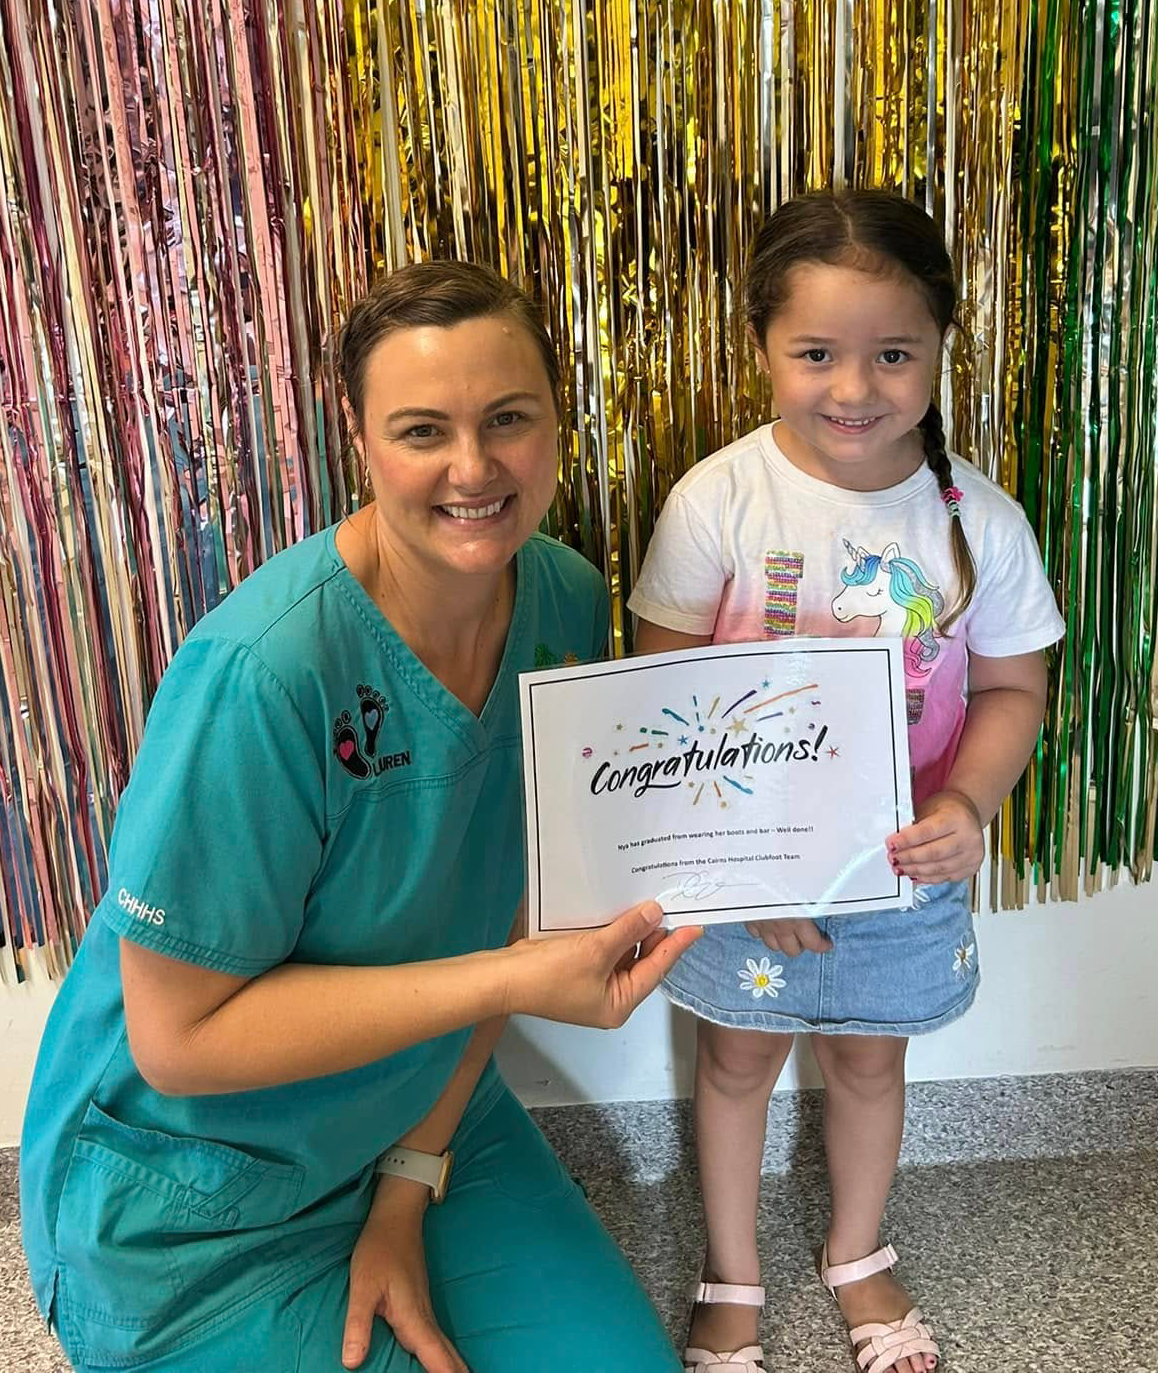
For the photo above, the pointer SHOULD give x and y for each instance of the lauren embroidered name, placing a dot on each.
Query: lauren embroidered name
(393, 760)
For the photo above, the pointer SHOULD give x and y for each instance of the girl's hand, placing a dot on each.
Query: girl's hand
(388, 1279)
(946, 842)
(790, 937)
(595, 977)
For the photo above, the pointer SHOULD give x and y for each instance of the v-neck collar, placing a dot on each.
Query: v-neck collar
(474, 729)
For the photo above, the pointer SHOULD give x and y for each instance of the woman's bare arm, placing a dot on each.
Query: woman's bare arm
(193, 1031)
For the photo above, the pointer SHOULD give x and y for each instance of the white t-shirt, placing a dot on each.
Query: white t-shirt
(749, 547)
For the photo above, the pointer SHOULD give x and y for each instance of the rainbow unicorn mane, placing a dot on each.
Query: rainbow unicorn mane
(908, 588)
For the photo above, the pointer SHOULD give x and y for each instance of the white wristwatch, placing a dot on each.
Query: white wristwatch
(432, 1169)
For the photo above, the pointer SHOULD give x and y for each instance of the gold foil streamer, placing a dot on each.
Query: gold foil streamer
(193, 194)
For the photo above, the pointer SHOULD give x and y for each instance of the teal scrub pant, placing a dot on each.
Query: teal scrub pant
(523, 1278)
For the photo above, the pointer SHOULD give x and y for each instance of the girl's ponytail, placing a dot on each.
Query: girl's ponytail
(933, 433)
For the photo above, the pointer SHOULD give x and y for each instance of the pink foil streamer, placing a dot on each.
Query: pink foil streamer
(181, 232)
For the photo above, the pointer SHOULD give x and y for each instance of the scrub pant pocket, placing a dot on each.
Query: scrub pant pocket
(153, 1235)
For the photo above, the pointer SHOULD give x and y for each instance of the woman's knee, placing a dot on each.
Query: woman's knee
(738, 1061)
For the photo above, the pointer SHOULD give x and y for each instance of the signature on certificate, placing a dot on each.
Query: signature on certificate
(695, 885)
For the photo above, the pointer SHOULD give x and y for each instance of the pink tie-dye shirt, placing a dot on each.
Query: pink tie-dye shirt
(749, 547)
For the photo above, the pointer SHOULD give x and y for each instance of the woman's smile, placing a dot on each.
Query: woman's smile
(462, 512)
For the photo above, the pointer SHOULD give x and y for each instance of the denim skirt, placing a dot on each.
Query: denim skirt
(893, 972)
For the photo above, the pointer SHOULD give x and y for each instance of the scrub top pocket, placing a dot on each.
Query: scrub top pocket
(145, 1219)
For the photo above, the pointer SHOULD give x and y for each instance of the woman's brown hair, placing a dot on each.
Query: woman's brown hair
(441, 294)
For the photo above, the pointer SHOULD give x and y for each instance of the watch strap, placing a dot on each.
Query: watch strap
(431, 1169)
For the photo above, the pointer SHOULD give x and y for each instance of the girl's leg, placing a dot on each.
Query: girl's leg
(864, 1117)
(735, 1073)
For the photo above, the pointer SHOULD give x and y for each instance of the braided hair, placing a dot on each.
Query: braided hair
(870, 231)
(933, 434)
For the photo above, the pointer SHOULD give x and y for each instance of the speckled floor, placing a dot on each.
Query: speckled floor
(1025, 1210)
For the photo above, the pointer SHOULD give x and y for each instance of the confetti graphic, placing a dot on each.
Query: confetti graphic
(736, 735)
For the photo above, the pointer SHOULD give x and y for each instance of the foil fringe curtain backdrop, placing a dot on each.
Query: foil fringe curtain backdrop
(193, 194)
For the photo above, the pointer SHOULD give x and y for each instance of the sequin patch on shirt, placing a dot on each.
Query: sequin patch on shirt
(782, 574)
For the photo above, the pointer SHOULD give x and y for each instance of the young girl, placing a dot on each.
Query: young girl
(848, 517)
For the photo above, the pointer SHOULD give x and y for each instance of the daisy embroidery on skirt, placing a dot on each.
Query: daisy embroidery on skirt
(963, 959)
(761, 979)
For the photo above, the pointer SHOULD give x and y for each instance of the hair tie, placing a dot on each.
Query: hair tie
(952, 496)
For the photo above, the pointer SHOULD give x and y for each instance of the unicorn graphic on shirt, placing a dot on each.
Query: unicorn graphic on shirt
(894, 591)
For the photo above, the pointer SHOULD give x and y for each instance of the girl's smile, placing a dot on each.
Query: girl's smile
(849, 426)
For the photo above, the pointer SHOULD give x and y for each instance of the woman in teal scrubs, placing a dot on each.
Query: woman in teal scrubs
(309, 939)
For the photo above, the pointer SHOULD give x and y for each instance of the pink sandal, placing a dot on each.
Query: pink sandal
(750, 1359)
(879, 1346)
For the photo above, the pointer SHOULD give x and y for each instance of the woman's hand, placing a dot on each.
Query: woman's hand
(790, 937)
(946, 843)
(388, 1279)
(596, 977)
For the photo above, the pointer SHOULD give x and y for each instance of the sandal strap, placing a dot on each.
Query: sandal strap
(841, 1274)
(713, 1293)
(750, 1359)
(885, 1345)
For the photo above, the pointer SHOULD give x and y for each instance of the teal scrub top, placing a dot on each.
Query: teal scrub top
(306, 791)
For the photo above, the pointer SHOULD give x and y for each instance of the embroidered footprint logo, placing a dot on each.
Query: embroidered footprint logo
(373, 707)
(346, 747)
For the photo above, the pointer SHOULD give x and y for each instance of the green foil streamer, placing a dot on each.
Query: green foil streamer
(193, 194)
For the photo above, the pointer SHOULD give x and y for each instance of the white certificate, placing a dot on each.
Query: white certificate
(736, 782)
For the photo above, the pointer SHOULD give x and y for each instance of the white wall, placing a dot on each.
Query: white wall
(1064, 988)
(23, 1011)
